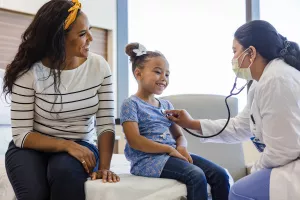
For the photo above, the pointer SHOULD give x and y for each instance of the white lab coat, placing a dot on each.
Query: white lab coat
(274, 102)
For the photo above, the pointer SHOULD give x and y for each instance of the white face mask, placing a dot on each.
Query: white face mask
(243, 73)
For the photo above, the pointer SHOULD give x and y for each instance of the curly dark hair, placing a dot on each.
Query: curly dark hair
(44, 38)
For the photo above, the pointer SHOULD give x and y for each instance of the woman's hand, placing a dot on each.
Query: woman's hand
(183, 119)
(106, 176)
(85, 156)
(176, 154)
(183, 151)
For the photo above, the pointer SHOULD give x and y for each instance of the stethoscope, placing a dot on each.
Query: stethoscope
(232, 93)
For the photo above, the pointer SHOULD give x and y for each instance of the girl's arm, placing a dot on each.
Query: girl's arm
(178, 135)
(181, 143)
(141, 143)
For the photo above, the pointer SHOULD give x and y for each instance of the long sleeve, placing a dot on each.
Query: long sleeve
(22, 108)
(238, 128)
(105, 119)
(280, 112)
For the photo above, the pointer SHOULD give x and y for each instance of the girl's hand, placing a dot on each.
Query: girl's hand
(176, 154)
(183, 151)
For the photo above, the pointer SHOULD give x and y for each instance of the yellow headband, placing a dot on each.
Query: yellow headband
(72, 13)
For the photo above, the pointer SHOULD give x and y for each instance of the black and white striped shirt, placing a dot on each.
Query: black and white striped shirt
(86, 95)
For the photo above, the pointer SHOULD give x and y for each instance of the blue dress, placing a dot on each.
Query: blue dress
(153, 125)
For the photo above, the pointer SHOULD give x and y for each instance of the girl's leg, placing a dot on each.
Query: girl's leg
(216, 177)
(189, 174)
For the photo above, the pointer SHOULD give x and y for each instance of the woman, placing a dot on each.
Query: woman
(271, 117)
(58, 88)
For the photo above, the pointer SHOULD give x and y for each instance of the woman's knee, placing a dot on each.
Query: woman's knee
(254, 186)
(66, 177)
(64, 167)
(239, 191)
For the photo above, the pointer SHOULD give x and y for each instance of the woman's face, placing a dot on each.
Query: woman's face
(79, 38)
(240, 53)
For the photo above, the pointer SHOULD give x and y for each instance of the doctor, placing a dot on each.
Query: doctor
(272, 114)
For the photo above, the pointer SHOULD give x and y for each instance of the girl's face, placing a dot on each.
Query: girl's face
(154, 77)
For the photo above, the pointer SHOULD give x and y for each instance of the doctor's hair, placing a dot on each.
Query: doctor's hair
(268, 42)
(139, 61)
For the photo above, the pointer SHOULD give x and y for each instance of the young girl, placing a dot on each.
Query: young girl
(155, 146)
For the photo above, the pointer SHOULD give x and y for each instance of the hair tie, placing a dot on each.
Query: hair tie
(140, 51)
(72, 14)
(284, 51)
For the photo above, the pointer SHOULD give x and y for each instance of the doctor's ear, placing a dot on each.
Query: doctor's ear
(252, 53)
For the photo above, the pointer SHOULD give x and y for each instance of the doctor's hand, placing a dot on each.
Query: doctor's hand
(183, 151)
(183, 119)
